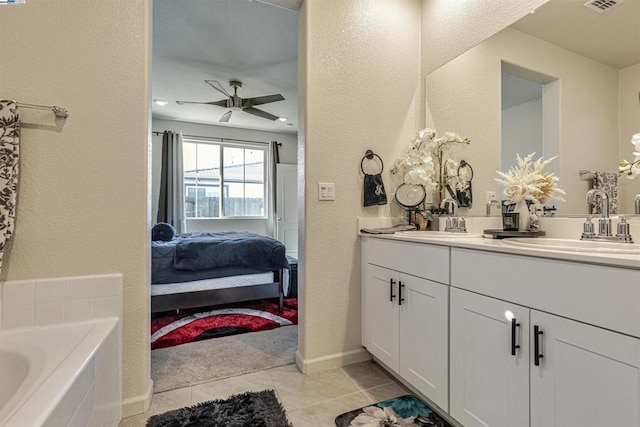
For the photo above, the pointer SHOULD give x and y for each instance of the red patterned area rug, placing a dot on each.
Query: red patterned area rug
(222, 320)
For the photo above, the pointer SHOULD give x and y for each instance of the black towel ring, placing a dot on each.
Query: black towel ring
(369, 156)
(463, 163)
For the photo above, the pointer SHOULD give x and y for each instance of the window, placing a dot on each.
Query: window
(223, 180)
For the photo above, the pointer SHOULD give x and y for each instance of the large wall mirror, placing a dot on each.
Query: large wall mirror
(564, 81)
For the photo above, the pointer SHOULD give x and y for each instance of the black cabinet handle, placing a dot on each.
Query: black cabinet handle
(514, 346)
(536, 345)
(391, 295)
(400, 291)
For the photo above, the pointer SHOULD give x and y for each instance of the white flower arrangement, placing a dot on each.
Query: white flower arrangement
(425, 152)
(632, 168)
(527, 181)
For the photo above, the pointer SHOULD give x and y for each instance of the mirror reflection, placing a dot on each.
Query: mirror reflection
(564, 81)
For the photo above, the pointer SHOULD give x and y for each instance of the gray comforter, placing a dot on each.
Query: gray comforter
(195, 256)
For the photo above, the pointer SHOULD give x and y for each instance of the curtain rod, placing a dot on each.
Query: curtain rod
(221, 139)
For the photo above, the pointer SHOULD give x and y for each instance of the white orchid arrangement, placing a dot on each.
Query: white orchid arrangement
(425, 152)
(527, 181)
(632, 168)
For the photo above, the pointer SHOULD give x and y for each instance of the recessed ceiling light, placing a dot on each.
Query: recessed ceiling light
(160, 102)
(283, 119)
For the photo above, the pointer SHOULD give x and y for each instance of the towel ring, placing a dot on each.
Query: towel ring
(369, 155)
(463, 163)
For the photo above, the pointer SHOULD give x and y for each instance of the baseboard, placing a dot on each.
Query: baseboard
(138, 404)
(331, 361)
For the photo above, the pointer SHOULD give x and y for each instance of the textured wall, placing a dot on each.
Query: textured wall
(451, 27)
(84, 186)
(362, 61)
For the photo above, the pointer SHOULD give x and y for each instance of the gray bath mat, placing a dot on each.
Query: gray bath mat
(255, 409)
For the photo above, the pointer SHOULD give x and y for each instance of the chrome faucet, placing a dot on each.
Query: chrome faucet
(491, 203)
(637, 204)
(604, 223)
(453, 224)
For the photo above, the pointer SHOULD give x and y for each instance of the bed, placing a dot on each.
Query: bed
(209, 268)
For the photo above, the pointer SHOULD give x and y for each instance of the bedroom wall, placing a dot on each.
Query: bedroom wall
(83, 203)
(288, 154)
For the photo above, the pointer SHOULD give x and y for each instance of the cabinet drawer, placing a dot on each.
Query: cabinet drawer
(602, 296)
(426, 261)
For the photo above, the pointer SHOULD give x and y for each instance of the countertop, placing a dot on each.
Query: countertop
(631, 261)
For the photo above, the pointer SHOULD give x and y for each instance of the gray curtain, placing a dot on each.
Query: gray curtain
(274, 159)
(171, 200)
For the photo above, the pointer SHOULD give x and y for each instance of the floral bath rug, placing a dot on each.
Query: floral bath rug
(403, 411)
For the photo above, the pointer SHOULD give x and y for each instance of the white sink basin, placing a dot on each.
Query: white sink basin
(436, 234)
(568, 245)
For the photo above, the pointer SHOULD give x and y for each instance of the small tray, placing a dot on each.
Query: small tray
(498, 233)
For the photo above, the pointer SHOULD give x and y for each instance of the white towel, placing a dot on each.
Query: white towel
(9, 168)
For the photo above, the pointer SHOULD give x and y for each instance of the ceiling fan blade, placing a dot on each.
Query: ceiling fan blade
(260, 113)
(226, 116)
(259, 100)
(222, 103)
(217, 86)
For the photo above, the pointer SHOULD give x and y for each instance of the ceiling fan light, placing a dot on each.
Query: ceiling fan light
(161, 102)
(283, 119)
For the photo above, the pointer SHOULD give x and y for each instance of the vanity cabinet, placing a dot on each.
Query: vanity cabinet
(516, 364)
(502, 340)
(489, 366)
(405, 317)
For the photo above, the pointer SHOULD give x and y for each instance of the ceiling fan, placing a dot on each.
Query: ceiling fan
(234, 102)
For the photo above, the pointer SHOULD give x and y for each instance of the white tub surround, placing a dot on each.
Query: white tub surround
(506, 335)
(73, 375)
(59, 300)
(61, 352)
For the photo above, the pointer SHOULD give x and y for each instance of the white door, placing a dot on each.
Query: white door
(489, 374)
(380, 312)
(586, 377)
(424, 344)
(287, 207)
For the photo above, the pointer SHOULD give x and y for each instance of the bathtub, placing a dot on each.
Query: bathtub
(59, 375)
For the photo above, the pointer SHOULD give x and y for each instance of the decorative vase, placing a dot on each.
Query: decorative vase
(525, 215)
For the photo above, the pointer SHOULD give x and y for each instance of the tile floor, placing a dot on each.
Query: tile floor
(310, 400)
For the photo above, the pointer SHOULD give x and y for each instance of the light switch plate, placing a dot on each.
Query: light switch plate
(326, 191)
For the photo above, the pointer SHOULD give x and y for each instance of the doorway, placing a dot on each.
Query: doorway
(195, 44)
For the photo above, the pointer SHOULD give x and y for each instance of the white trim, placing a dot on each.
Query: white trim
(331, 361)
(138, 404)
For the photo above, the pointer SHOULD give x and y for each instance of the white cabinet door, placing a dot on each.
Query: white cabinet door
(424, 342)
(380, 313)
(587, 377)
(489, 385)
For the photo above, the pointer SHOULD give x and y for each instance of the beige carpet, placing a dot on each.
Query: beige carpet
(196, 363)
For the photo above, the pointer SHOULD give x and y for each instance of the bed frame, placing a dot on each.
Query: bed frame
(184, 300)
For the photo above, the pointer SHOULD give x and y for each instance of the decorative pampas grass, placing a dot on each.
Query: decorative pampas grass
(527, 181)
